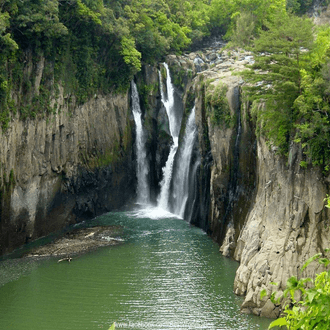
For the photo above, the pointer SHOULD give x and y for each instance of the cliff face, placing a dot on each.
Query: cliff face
(64, 167)
(263, 209)
(287, 224)
(228, 172)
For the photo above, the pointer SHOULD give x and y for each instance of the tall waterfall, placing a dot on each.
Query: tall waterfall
(143, 193)
(178, 186)
(183, 175)
(168, 101)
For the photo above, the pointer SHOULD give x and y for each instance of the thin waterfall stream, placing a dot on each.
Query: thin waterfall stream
(143, 194)
(168, 101)
(183, 175)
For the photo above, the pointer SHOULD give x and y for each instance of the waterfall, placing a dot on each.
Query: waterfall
(183, 175)
(179, 185)
(143, 195)
(168, 101)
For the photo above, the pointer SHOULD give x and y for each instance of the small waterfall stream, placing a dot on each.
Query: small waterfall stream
(143, 195)
(182, 178)
(168, 101)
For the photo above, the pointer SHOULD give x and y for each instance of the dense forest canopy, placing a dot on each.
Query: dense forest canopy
(94, 46)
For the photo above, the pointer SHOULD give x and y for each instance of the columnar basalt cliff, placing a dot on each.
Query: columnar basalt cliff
(64, 167)
(265, 210)
(287, 224)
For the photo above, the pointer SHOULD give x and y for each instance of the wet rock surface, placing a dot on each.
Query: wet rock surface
(79, 241)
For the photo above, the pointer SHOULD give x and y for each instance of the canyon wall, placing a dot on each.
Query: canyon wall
(61, 168)
(287, 224)
(264, 210)
(79, 161)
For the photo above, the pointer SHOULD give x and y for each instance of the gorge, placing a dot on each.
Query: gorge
(265, 213)
(181, 142)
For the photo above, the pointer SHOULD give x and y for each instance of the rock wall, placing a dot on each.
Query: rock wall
(156, 124)
(62, 168)
(287, 224)
(228, 163)
(263, 209)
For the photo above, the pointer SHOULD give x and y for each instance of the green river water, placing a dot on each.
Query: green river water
(166, 275)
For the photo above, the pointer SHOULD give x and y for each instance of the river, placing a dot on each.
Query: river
(166, 274)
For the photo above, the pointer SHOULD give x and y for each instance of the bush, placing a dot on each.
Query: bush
(312, 311)
(218, 104)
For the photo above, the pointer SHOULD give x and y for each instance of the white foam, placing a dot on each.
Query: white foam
(153, 212)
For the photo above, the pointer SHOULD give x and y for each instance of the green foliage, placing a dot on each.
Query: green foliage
(303, 164)
(261, 13)
(131, 56)
(90, 46)
(275, 78)
(244, 30)
(38, 23)
(7, 44)
(300, 6)
(113, 327)
(312, 105)
(220, 13)
(96, 46)
(327, 200)
(313, 310)
(218, 105)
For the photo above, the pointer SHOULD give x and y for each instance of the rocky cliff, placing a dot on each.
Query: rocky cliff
(78, 161)
(64, 167)
(263, 209)
(286, 225)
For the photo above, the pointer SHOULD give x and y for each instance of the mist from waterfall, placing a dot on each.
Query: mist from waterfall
(143, 191)
(183, 175)
(168, 101)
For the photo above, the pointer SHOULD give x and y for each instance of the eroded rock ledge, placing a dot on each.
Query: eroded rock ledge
(79, 241)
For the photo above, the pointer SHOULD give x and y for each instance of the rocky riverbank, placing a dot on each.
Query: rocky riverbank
(79, 241)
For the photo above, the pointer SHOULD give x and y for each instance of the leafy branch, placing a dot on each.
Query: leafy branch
(312, 311)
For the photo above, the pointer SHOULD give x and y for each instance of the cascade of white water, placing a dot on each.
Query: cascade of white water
(182, 175)
(143, 195)
(174, 129)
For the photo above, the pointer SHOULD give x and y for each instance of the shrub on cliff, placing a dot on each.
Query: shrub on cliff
(218, 105)
(280, 54)
(313, 310)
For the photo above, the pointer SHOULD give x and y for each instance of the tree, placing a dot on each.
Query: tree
(244, 30)
(299, 6)
(275, 78)
(220, 12)
(131, 56)
(39, 19)
(261, 12)
(312, 106)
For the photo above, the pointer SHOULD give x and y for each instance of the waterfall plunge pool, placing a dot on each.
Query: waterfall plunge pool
(167, 275)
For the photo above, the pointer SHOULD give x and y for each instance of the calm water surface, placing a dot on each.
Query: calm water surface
(166, 275)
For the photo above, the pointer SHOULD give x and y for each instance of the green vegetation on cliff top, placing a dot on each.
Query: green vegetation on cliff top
(96, 46)
(289, 86)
